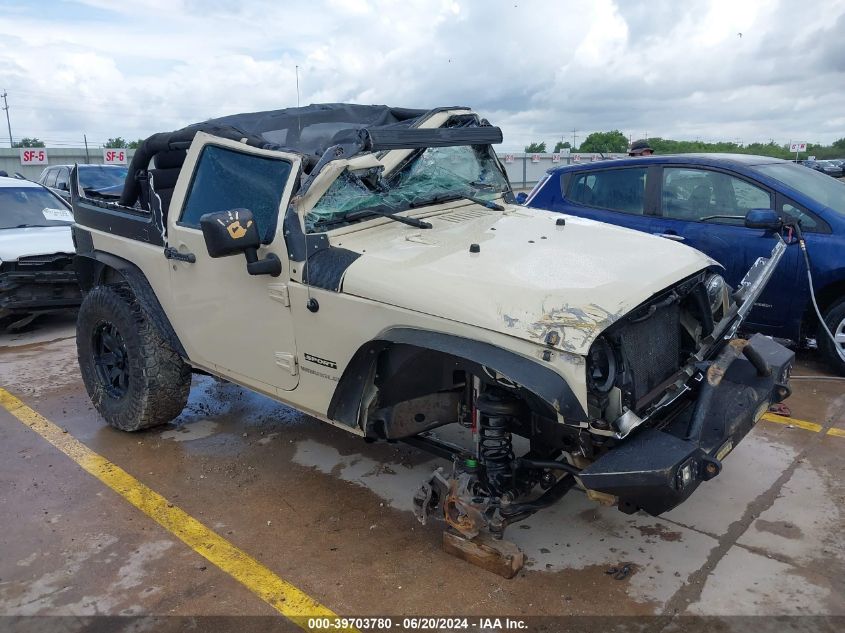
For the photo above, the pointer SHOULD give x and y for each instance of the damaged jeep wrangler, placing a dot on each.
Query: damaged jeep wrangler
(367, 265)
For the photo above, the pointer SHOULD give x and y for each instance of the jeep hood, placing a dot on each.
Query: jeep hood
(530, 277)
(35, 240)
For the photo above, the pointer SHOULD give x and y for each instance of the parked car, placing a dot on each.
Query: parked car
(832, 168)
(97, 180)
(826, 167)
(36, 253)
(682, 198)
(367, 265)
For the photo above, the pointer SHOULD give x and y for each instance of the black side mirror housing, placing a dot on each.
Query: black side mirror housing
(766, 219)
(231, 232)
(521, 197)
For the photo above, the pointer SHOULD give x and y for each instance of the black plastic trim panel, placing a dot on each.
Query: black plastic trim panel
(325, 268)
(90, 270)
(530, 374)
(295, 239)
(113, 218)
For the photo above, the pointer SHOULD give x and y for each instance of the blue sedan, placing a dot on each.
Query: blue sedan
(686, 198)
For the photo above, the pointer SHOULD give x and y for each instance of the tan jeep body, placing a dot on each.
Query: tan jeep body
(508, 300)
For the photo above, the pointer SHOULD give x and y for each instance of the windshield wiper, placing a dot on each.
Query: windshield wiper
(415, 222)
(357, 215)
(460, 196)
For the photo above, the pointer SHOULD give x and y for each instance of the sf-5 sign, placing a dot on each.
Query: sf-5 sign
(34, 156)
(112, 156)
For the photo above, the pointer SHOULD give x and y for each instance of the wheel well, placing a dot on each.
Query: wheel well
(98, 268)
(414, 366)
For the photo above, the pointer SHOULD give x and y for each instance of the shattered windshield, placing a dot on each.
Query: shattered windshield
(432, 175)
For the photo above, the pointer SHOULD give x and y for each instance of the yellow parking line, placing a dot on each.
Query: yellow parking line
(275, 591)
(801, 424)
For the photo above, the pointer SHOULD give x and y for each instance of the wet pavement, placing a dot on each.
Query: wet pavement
(331, 514)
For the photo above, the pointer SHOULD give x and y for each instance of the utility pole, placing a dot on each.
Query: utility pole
(574, 136)
(6, 108)
(87, 157)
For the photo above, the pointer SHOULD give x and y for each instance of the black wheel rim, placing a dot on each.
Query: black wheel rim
(111, 360)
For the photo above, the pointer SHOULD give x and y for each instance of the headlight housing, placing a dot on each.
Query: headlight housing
(602, 367)
(717, 295)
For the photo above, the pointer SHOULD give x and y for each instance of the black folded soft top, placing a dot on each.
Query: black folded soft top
(345, 129)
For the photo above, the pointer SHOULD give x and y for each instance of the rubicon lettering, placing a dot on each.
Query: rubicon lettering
(321, 361)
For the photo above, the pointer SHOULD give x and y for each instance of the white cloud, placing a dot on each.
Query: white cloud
(537, 69)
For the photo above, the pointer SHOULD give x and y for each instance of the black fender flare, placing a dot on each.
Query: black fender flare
(91, 267)
(532, 375)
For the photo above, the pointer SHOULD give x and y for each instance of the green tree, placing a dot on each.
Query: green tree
(839, 143)
(536, 148)
(29, 142)
(117, 142)
(562, 145)
(135, 144)
(605, 142)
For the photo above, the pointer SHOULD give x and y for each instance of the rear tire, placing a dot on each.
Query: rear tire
(132, 375)
(835, 319)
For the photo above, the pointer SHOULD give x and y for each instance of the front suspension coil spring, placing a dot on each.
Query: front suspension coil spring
(495, 449)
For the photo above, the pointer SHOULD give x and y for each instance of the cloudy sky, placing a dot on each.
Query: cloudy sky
(708, 69)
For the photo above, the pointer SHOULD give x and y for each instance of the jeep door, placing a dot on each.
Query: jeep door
(230, 322)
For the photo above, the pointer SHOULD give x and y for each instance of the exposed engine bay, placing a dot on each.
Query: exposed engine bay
(669, 396)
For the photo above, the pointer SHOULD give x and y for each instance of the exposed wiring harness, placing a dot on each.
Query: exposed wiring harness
(795, 226)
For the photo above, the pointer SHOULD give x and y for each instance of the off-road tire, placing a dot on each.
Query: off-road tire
(834, 316)
(154, 381)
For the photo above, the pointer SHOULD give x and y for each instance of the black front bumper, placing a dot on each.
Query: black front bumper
(656, 470)
(35, 291)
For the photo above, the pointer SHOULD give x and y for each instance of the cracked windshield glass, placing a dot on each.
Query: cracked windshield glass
(432, 175)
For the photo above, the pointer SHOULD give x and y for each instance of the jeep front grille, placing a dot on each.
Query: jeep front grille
(651, 349)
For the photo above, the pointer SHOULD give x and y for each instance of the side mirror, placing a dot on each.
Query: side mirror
(521, 197)
(231, 232)
(766, 219)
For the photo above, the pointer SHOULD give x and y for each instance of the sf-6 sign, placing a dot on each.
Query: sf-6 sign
(114, 156)
(33, 156)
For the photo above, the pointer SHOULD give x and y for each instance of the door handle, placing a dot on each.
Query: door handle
(172, 253)
(671, 236)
